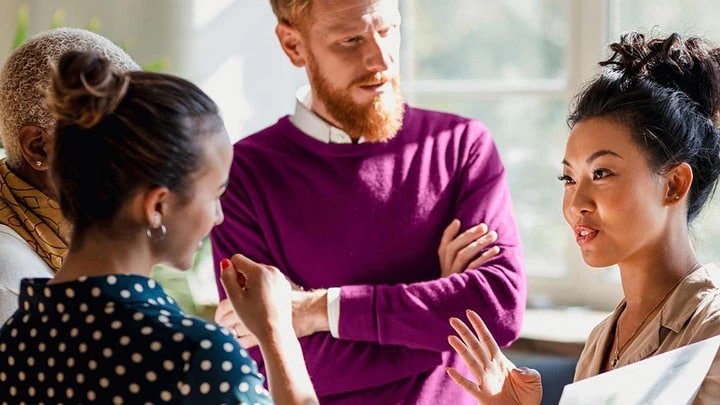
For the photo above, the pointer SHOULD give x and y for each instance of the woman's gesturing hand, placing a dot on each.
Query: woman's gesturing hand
(497, 380)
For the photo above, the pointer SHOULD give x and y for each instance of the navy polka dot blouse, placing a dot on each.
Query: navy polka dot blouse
(118, 339)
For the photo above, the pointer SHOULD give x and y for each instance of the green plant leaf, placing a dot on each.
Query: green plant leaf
(158, 65)
(94, 24)
(58, 19)
(21, 30)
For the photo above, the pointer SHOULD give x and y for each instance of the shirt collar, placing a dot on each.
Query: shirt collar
(37, 295)
(314, 126)
(684, 301)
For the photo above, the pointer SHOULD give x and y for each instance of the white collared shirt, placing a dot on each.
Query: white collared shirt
(313, 125)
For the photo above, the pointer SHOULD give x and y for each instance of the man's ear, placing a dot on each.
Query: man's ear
(293, 43)
(35, 146)
(679, 179)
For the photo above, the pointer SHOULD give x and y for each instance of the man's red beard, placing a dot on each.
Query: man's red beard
(376, 121)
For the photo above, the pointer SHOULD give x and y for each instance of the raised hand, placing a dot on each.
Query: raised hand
(497, 380)
(456, 252)
(309, 308)
(260, 296)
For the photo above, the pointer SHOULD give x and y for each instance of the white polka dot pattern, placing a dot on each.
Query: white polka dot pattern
(150, 351)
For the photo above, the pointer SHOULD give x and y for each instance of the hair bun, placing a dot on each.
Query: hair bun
(687, 65)
(85, 89)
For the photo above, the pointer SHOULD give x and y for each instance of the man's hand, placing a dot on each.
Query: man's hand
(457, 251)
(497, 380)
(309, 311)
(225, 316)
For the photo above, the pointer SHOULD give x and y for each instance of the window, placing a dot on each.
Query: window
(515, 65)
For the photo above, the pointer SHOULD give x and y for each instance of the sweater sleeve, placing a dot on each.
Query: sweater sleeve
(416, 315)
(332, 364)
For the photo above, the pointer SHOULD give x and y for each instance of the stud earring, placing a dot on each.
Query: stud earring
(38, 163)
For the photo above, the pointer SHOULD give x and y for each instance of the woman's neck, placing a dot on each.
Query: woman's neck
(647, 278)
(102, 254)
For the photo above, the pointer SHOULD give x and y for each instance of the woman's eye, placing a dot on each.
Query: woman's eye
(566, 179)
(601, 174)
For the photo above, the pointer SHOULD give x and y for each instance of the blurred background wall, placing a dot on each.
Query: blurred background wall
(228, 47)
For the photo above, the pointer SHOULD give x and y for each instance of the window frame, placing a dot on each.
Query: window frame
(588, 29)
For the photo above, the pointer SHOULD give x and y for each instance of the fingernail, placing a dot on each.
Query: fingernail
(225, 263)
(522, 370)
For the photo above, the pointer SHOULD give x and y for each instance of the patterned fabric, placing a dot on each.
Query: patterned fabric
(34, 216)
(118, 339)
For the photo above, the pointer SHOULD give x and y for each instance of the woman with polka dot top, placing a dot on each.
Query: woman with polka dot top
(140, 162)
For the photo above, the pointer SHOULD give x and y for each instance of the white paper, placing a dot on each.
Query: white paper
(673, 378)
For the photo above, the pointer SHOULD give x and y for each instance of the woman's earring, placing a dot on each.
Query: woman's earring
(156, 231)
(38, 163)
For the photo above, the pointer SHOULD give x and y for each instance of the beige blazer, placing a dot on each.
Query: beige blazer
(691, 314)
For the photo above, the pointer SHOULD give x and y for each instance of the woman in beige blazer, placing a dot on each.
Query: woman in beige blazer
(642, 159)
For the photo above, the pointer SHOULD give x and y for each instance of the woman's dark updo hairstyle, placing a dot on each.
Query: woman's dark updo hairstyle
(117, 132)
(667, 91)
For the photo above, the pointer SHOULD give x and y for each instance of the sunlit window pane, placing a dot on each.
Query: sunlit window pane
(662, 17)
(491, 39)
(531, 148)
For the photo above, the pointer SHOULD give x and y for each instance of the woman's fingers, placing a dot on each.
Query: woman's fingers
(483, 334)
(470, 341)
(466, 384)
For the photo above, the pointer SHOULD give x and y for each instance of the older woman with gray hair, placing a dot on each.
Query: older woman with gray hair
(33, 233)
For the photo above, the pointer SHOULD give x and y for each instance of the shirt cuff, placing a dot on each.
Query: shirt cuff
(333, 310)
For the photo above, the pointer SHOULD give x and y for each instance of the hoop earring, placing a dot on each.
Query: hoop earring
(156, 225)
(154, 236)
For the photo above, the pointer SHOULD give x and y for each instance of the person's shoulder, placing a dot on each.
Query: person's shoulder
(8, 234)
(204, 333)
(266, 135)
(442, 122)
(437, 116)
(711, 294)
(17, 259)
(704, 307)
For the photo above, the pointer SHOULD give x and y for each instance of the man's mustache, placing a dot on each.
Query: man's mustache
(373, 79)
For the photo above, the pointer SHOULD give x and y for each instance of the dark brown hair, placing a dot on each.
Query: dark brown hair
(117, 132)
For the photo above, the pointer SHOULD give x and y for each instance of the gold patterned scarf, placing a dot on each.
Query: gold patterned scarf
(34, 216)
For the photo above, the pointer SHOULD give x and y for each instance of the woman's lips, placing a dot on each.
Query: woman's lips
(584, 234)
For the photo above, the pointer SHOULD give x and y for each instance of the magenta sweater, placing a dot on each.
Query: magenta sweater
(368, 218)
